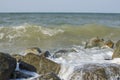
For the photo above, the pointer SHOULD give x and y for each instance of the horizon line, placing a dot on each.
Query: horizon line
(65, 12)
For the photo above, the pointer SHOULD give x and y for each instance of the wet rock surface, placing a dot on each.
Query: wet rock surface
(42, 64)
(7, 66)
(25, 66)
(97, 72)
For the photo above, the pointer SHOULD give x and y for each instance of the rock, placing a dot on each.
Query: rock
(45, 54)
(18, 74)
(116, 53)
(7, 66)
(97, 72)
(25, 66)
(63, 52)
(42, 64)
(50, 76)
(94, 42)
(109, 43)
(17, 56)
(60, 53)
(34, 50)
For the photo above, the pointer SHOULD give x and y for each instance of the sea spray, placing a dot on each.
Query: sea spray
(77, 65)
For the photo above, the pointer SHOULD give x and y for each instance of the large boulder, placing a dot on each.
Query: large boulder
(116, 53)
(41, 63)
(7, 66)
(97, 72)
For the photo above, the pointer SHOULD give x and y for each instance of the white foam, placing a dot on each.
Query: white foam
(116, 60)
(51, 32)
(66, 71)
(1, 35)
(82, 56)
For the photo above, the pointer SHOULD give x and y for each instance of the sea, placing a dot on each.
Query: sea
(62, 31)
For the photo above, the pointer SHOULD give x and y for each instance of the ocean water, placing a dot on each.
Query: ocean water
(54, 30)
(62, 31)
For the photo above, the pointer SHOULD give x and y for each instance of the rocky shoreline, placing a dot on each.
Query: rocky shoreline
(37, 62)
(33, 61)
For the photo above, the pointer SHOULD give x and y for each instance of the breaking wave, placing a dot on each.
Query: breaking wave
(52, 37)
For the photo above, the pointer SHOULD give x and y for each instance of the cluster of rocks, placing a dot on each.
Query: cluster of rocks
(99, 42)
(34, 60)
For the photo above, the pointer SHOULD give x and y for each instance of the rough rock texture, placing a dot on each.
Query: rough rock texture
(7, 66)
(63, 52)
(17, 56)
(94, 42)
(116, 53)
(109, 43)
(49, 76)
(97, 72)
(42, 64)
(34, 50)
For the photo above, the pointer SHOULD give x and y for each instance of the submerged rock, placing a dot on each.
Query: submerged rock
(7, 66)
(97, 72)
(63, 52)
(116, 53)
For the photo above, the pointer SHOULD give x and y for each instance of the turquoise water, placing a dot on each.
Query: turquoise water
(19, 31)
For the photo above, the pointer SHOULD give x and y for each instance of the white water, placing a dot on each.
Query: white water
(76, 60)
(35, 75)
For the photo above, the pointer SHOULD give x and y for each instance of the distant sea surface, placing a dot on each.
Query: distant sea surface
(54, 30)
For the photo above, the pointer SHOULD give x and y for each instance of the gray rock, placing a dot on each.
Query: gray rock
(7, 66)
(97, 72)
